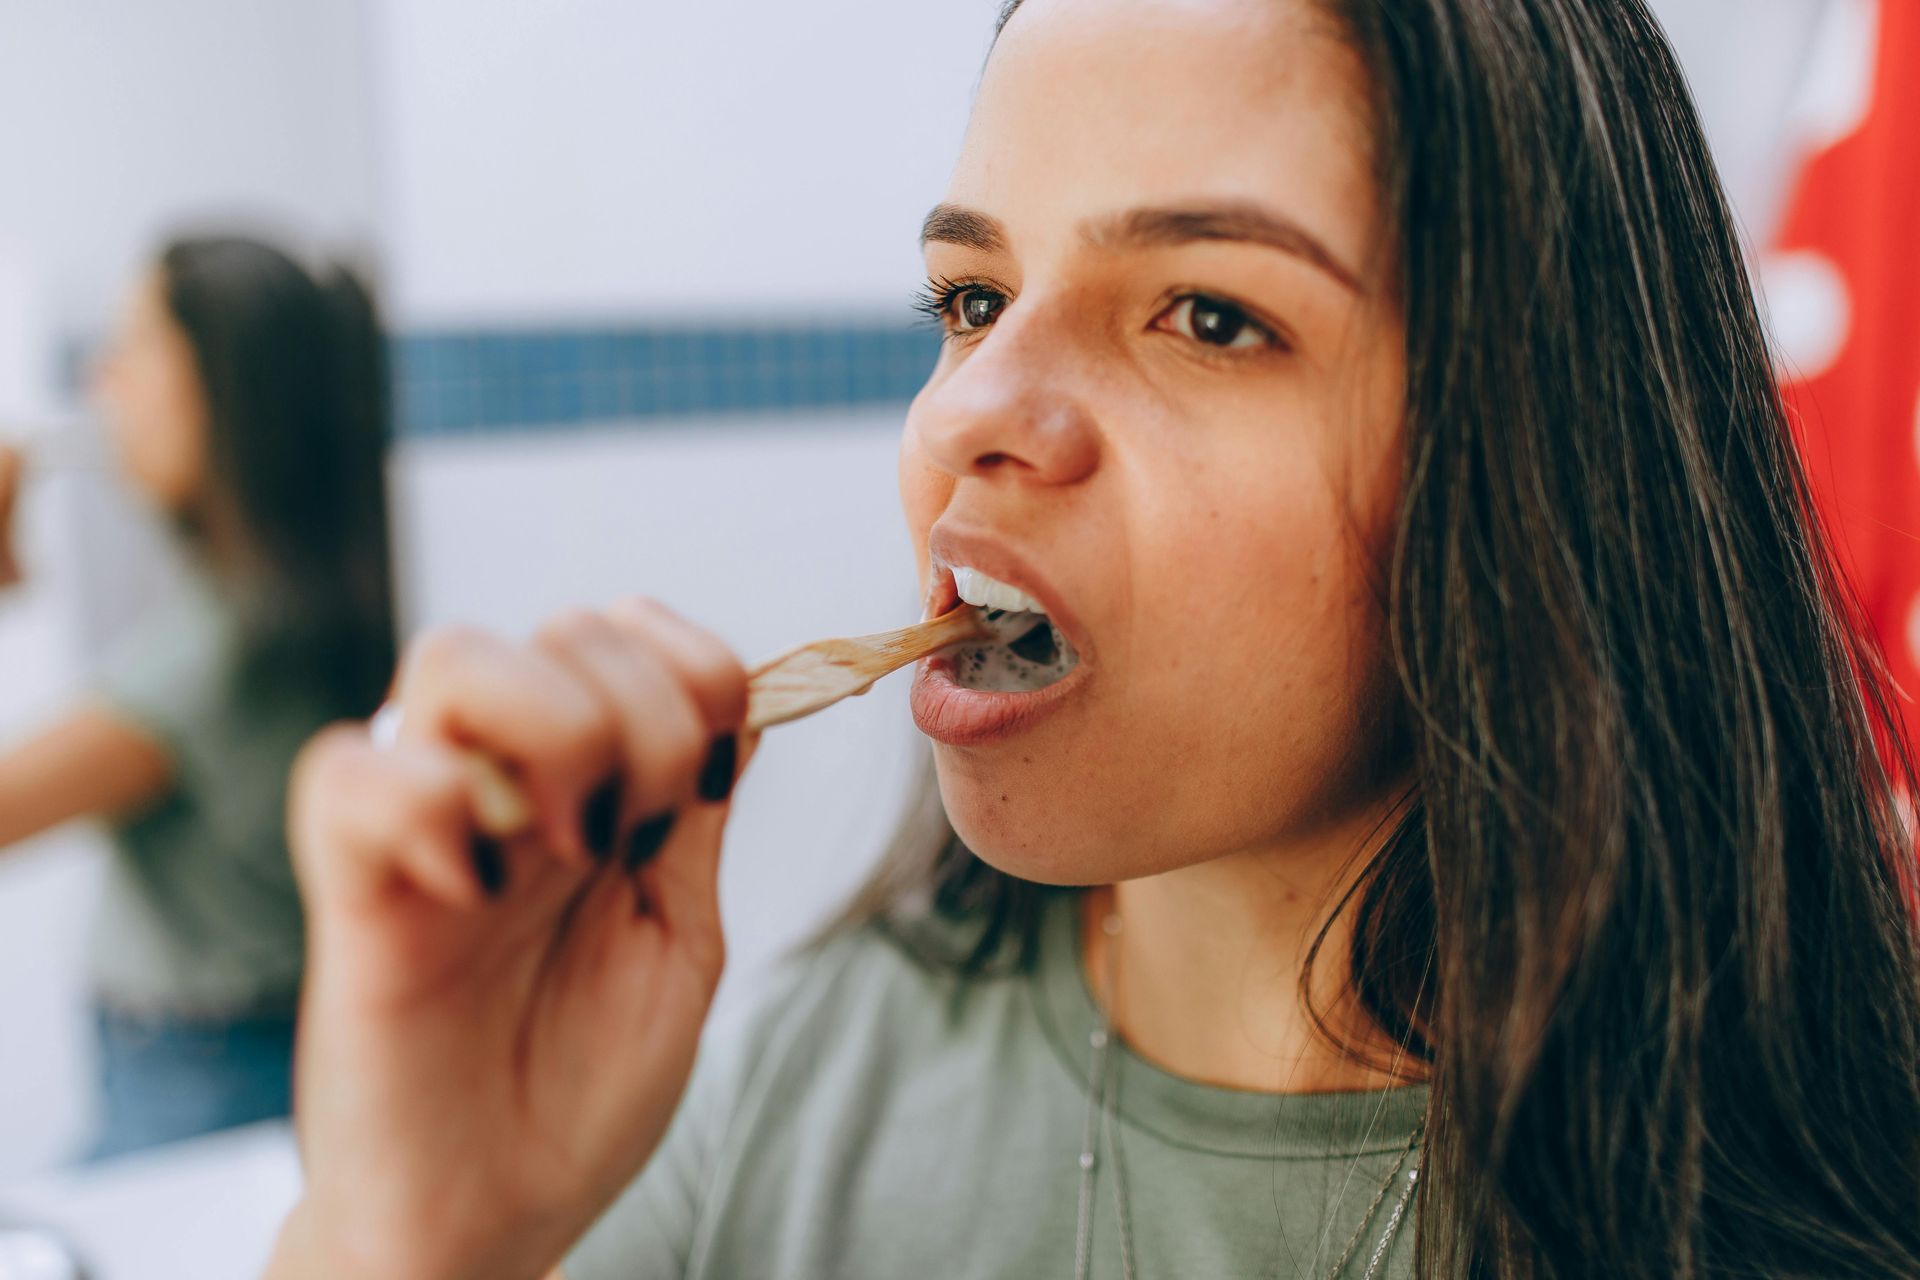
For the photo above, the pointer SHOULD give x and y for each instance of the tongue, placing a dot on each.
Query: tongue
(1037, 646)
(1027, 653)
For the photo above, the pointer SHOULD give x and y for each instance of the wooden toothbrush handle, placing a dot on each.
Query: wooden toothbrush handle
(815, 676)
(790, 687)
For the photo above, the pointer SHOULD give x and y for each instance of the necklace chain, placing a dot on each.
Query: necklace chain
(1102, 1088)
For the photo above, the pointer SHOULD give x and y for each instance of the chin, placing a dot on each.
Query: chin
(1015, 829)
(998, 824)
(1041, 865)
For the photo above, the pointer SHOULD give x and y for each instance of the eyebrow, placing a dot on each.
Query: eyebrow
(1237, 221)
(953, 224)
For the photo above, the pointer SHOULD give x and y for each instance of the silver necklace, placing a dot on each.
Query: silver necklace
(1099, 1125)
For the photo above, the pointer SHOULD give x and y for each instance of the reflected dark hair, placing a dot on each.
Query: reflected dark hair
(1648, 914)
(294, 514)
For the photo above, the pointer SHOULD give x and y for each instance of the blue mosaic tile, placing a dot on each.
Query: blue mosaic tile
(453, 382)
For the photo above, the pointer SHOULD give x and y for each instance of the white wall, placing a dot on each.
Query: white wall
(1744, 62)
(122, 115)
(601, 156)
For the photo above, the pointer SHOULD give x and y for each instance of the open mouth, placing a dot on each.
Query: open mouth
(1027, 652)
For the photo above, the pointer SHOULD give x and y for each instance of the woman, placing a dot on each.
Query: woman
(246, 400)
(1460, 850)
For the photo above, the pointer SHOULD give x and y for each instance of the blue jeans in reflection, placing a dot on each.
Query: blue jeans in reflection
(163, 1078)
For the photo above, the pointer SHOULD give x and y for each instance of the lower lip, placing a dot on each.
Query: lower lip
(957, 716)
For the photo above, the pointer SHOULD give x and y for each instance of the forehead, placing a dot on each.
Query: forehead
(1093, 106)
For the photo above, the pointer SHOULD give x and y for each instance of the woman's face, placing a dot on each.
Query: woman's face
(155, 402)
(1169, 410)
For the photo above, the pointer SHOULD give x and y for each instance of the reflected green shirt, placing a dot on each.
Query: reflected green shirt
(876, 1121)
(201, 916)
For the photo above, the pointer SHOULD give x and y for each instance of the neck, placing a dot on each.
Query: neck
(1202, 977)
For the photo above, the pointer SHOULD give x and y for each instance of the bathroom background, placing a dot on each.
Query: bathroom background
(647, 267)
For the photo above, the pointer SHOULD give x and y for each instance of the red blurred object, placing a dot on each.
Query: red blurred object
(1853, 227)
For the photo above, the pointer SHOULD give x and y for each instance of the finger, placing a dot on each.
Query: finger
(703, 662)
(663, 735)
(682, 877)
(688, 841)
(749, 746)
(554, 732)
(710, 671)
(719, 789)
(675, 894)
(362, 818)
(647, 840)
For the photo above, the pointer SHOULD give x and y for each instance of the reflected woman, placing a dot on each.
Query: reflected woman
(247, 400)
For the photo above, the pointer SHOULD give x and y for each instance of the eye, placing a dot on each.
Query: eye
(1215, 322)
(960, 308)
(977, 308)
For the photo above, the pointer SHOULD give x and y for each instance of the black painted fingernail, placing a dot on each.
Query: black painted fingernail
(600, 820)
(490, 864)
(645, 842)
(716, 780)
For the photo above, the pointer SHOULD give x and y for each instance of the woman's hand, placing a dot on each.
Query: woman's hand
(494, 1037)
(11, 468)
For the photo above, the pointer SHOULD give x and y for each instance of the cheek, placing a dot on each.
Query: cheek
(1278, 605)
(159, 425)
(1268, 694)
(183, 429)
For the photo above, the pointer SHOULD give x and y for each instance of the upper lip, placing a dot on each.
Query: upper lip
(950, 545)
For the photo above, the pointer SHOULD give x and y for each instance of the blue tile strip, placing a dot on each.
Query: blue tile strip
(450, 383)
(464, 382)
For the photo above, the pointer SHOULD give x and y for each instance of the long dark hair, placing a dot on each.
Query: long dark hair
(1648, 911)
(293, 516)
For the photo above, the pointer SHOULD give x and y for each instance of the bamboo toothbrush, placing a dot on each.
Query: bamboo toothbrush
(815, 676)
(796, 684)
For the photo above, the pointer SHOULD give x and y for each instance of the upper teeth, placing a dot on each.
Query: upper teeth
(976, 588)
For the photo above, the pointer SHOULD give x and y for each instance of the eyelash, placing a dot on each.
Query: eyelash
(934, 300)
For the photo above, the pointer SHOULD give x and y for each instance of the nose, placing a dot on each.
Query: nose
(1009, 410)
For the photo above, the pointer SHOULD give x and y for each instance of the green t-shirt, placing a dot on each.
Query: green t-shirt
(201, 915)
(876, 1120)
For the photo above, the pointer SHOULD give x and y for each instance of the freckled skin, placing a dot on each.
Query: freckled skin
(1216, 518)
